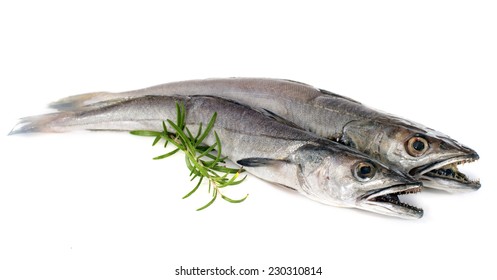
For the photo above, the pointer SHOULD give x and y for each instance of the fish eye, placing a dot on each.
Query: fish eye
(364, 171)
(416, 146)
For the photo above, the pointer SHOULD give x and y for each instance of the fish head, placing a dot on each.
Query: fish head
(424, 153)
(343, 177)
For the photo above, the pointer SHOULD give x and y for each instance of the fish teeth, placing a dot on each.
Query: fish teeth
(411, 191)
(452, 171)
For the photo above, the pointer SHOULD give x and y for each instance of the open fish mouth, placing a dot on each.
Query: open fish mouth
(445, 174)
(387, 201)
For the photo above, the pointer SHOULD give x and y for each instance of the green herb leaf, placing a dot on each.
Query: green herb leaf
(167, 155)
(234, 200)
(203, 161)
(145, 133)
(194, 189)
(210, 202)
(207, 129)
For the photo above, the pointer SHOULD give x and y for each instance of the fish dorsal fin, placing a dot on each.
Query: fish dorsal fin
(266, 113)
(279, 119)
(297, 82)
(263, 111)
(323, 91)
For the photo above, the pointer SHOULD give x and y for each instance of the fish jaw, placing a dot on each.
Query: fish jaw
(330, 176)
(438, 167)
(385, 201)
(444, 175)
(388, 139)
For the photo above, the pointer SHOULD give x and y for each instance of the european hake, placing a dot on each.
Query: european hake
(426, 154)
(320, 169)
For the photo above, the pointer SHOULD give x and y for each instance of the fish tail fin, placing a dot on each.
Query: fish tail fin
(81, 101)
(43, 123)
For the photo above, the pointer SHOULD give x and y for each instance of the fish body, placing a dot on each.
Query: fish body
(318, 168)
(413, 148)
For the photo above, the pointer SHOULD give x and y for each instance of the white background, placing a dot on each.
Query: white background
(95, 206)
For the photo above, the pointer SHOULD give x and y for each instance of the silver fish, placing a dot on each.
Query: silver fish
(320, 169)
(426, 154)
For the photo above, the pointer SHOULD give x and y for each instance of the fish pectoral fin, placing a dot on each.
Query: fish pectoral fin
(258, 162)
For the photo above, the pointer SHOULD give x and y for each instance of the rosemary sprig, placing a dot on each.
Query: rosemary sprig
(204, 162)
